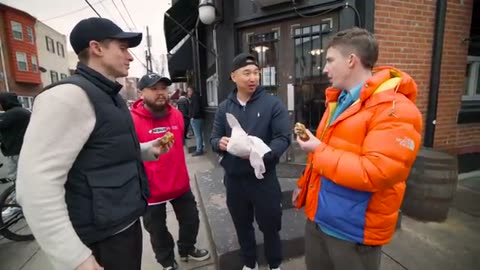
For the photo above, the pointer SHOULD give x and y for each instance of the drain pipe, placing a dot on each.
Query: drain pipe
(198, 76)
(435, 72)
(5, 73)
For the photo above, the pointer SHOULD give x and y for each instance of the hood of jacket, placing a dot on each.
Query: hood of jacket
(9, 101)
(384, 78)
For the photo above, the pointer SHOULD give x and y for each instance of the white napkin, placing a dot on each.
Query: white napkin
(243, 145)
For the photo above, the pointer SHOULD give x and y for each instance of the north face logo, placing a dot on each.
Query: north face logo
(407, 143)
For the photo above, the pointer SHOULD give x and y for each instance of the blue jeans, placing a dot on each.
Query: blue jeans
(197, 126)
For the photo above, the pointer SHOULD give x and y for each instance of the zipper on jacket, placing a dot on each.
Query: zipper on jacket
(330, 114)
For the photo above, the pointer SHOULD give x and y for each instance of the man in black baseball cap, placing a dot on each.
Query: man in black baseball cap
(154, 116)
(94, 186)
(103, 42)
(243, 59)
(264, 116)
(151, 79)
(99, 29)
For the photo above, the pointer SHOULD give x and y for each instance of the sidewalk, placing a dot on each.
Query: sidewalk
(417, 245)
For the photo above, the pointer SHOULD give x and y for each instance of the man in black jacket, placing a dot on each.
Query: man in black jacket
(196, 115)
(183, 105)
(13, 124)
(265, 117)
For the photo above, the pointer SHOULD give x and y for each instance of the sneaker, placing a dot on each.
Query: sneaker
(278, 268)
(196, 255)
(171, 267)
(248, 268)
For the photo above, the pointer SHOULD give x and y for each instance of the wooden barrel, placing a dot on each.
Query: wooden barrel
(431, 186)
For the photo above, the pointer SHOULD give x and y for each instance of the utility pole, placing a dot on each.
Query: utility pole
(148, 53)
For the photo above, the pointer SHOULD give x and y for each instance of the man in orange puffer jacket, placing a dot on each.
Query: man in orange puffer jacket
(360, 158)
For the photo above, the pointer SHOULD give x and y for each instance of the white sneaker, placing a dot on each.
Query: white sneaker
(278, 268)
(248, 268)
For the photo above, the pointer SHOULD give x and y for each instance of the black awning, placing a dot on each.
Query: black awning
(180, 62)
(184, 12)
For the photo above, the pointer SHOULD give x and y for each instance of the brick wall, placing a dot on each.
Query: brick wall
(21, 46)
(405, 32)
(20, 82)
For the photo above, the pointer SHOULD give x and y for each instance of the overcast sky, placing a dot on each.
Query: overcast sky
(62, 15)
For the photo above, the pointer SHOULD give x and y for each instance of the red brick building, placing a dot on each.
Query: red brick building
(405, 30)
(19, 55)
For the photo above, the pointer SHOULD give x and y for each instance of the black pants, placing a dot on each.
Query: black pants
(186, 123)
(248, 197)
(122, 251)
(323, 251)
(155, 221)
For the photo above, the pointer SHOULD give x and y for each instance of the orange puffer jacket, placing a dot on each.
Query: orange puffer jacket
(355, 180)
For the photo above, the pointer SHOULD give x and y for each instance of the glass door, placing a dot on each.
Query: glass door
(265, 48)
(310, 83)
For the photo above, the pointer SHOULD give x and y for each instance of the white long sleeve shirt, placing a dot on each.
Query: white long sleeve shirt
(62, 120)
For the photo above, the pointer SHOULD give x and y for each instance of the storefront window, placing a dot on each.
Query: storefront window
(265, 48)
(310, 83)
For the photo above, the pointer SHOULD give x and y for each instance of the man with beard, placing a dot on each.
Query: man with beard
(168, 177)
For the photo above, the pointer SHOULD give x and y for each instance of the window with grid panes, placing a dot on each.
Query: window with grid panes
(17, 30)
(265, 48)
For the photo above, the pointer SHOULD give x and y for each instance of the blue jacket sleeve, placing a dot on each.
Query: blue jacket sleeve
(218, 130)
(281, 133)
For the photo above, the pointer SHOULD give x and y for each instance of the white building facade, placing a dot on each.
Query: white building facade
(52, 53)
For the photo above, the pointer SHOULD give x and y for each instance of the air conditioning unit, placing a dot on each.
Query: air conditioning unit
(267, 3)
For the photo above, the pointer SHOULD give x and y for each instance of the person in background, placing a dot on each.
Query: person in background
(13, 125)
(196, 116)
(174, 97)
(183, 106)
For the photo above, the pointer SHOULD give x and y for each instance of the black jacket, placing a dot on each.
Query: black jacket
(265, 117)
(13, 124)
(106, 188)
(196, 110)
(183, 105)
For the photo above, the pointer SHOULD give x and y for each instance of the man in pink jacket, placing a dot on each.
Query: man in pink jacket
(168, 178)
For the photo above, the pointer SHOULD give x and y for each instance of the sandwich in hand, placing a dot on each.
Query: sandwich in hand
(300, 131)
(166, 139)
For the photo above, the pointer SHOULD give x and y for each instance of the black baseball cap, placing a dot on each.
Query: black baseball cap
(243, 59)
(151, 79)
(99, 29)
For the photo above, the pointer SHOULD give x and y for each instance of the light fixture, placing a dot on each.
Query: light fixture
(316, 52)
(206, 11)
(260, 49)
